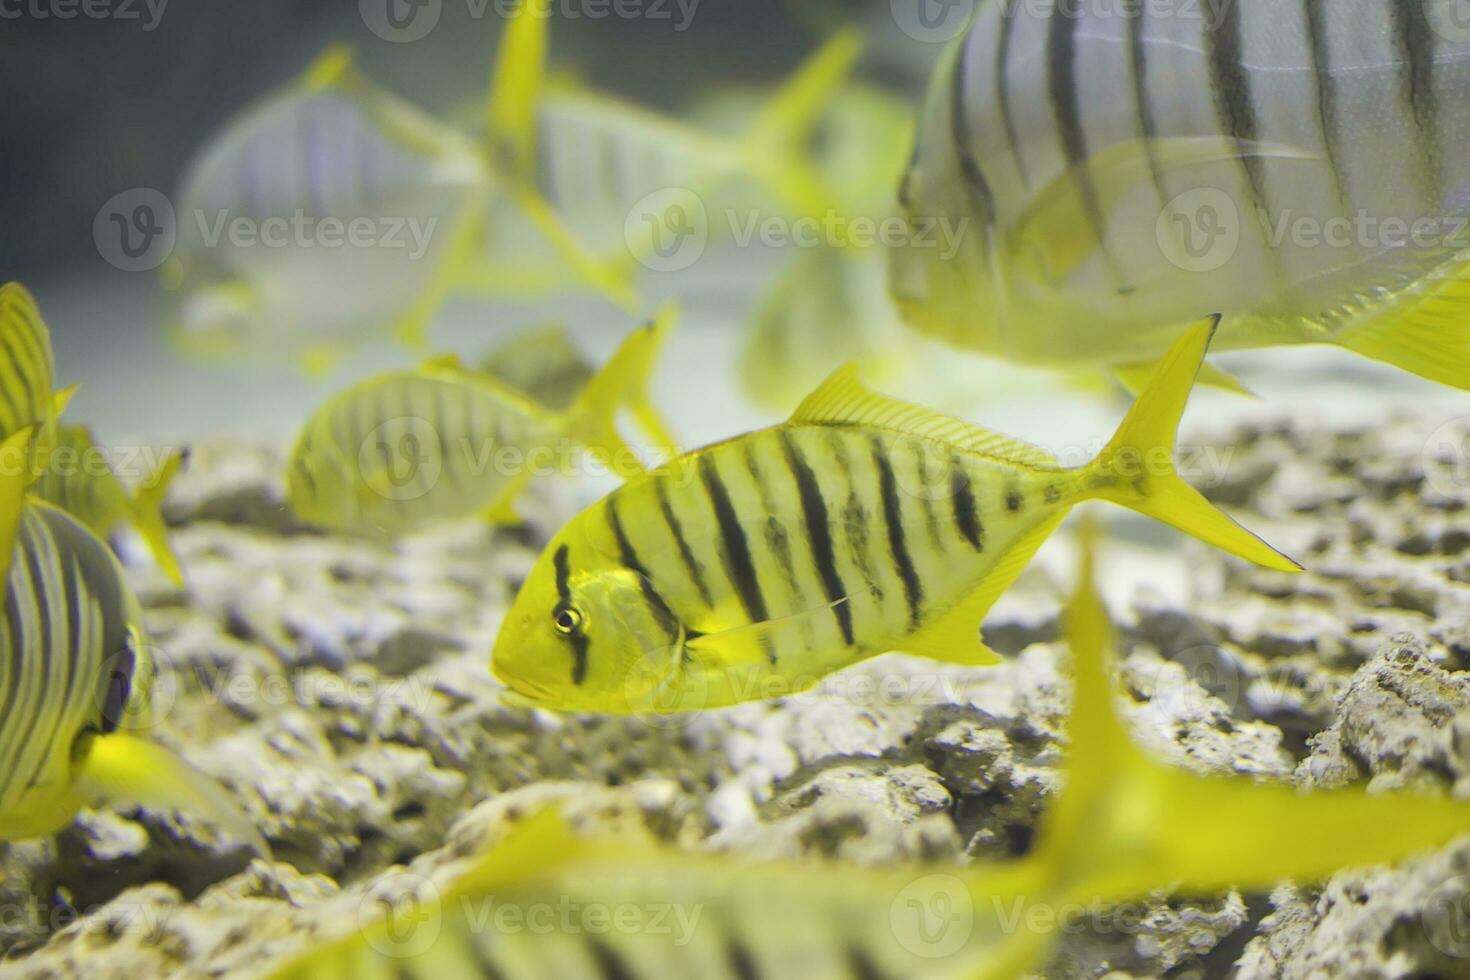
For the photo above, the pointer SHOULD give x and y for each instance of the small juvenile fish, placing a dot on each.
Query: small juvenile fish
(77, 478)
(757, 566)
(542, 363)
(1300, 167)
(409, 449)
(75, 676)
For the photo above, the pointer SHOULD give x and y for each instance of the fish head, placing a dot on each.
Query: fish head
(582, 634)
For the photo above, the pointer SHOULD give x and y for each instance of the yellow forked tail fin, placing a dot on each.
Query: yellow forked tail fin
(146, 511)
(515, 87)
(772, 149)
(1137, 469)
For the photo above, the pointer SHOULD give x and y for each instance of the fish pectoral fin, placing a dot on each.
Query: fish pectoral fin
(843, 400)
(1135, 378)
(751, 643)
(955, 637)
(119, 766)
(1424, 329)
(1053, 238)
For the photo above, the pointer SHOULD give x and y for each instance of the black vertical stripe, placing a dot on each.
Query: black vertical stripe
(855, 518)
(1061, 60)
(628, 555)
(1413, 38)
(861, 965)
(819, 534)
(686, 554)
(741, 961)
(964, 140)
(962, 497)
(1319, 52)
(1003, 86)
(610, 964)
(776, 537)
(913, 590)
(735, 549)
(1232, 90)
(562, 564)
(1136, 12)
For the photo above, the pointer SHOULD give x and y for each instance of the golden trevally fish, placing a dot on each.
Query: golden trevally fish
(409, 449)
(1300, 167)
(755, 567)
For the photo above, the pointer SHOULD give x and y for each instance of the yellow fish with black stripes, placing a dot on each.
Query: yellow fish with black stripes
(757, 566)
(1121, 170)
(409, 449)
(77, 477)
(75, 676)
(28, 396)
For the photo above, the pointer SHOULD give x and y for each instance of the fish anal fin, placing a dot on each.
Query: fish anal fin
(1427, 334)
(118, 766)
(955, 636)
(843, 400)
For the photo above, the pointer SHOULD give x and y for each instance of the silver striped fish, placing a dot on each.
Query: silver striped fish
(1125, 167)
(756, 567)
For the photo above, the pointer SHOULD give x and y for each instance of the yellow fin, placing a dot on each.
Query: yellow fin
(146, 507)
(955, 637)
(621, 382)
(1052, 238)
(63, 398)
(329, 68)
(612, 281)
(1137, 469)
(843, 400)
(119, 766)
(1426, 333)
(1135, 377)
(502, 513)
(751, 642)
(516, 86)
(773, 147)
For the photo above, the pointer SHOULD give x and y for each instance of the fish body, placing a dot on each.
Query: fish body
(78, 478)
(543, 363)
(265, 260)
(1299, 167)
(755, 567)
(408, 449)
(27, 369)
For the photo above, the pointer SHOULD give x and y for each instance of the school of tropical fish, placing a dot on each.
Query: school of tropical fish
(1112, 192)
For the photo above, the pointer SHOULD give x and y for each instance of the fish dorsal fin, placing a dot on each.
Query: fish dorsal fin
(443, 362)
(843, 400)
(329, 68)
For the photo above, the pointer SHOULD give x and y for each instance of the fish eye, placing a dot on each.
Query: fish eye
(567, 620)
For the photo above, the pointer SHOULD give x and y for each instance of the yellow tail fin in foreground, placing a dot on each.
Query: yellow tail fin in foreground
(1137, 469)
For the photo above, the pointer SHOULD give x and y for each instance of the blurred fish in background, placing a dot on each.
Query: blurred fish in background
(1125, 173)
